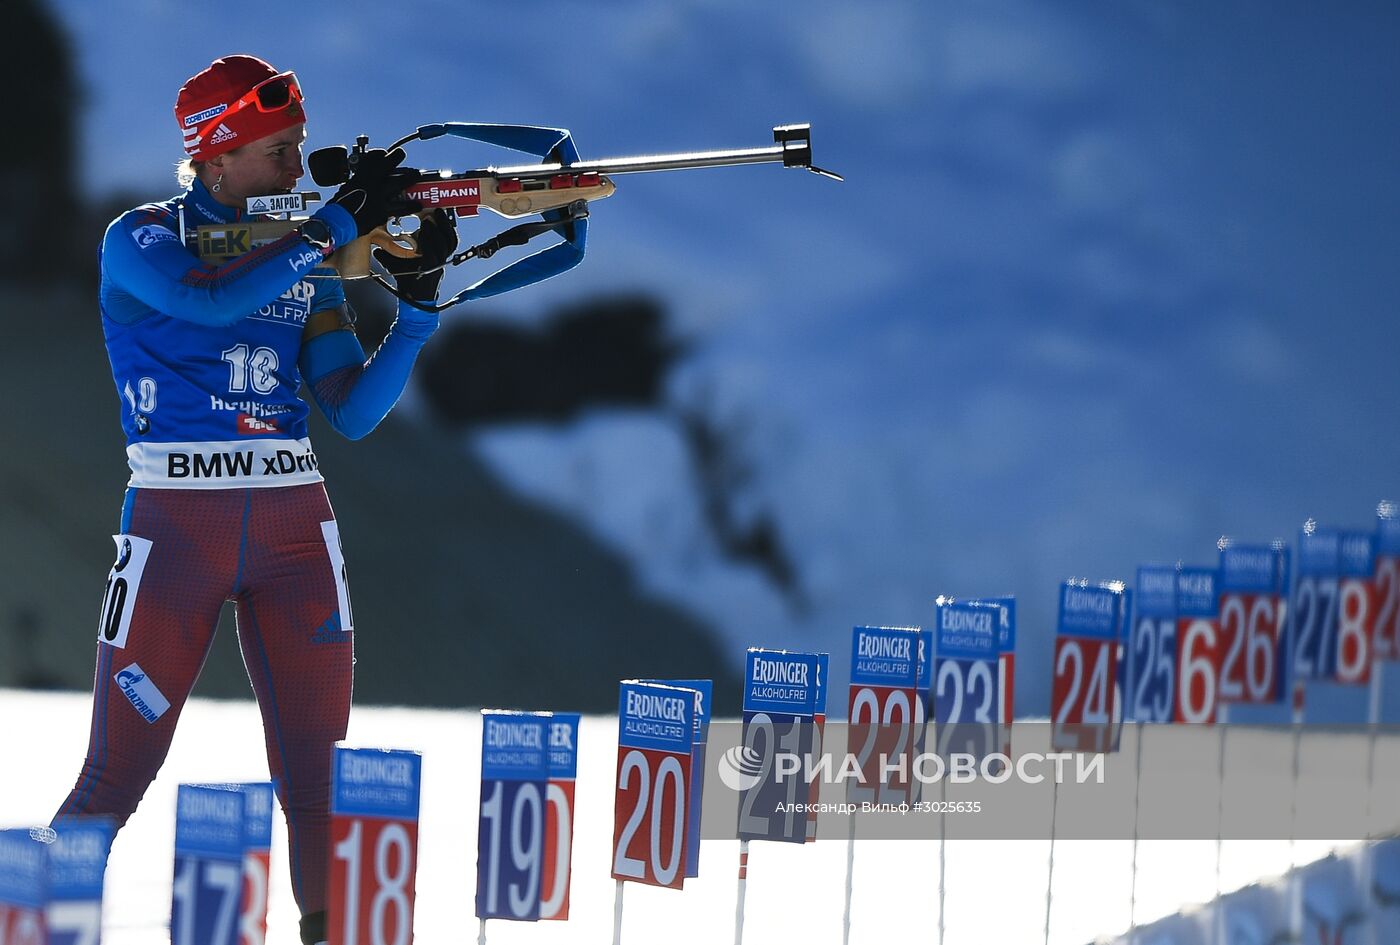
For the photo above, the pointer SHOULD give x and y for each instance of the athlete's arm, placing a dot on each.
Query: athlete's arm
(142, 257)
(354, 393)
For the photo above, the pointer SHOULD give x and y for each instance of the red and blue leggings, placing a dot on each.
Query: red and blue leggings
(276, 553)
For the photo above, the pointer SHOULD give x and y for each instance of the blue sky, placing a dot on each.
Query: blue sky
(1105, 281)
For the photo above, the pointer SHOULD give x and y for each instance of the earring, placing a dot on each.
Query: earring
(218, 184)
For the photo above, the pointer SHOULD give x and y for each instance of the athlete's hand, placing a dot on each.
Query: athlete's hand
(374, 192)
(418, 276)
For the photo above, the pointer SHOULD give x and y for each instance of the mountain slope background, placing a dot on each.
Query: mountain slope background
(1103, 283)
(463, 593)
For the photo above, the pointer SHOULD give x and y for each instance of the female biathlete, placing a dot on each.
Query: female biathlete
(226, 500)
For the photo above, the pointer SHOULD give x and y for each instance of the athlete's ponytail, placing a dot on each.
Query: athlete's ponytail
(187, 171)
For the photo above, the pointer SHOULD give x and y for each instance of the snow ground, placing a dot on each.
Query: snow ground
(794, 893)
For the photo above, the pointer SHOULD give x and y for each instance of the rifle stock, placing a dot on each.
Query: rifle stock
(219, 243)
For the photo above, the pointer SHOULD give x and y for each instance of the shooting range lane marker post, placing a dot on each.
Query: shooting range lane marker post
(1050, 873)
(1137, 810)
(942, 857)
(743, 887)
(617, 914)
(1295, 887)
(850, 880)
(1299, 696)
(1222, 716)
(884, 683)
(1088, 633)
(1384, 650)
(784, 708)
(966, 658)
(1373, 720)
(655, 741)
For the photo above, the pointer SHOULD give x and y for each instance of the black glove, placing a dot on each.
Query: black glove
(374, 192)
(437, 241)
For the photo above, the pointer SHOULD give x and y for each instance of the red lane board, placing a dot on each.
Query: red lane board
(373, 869)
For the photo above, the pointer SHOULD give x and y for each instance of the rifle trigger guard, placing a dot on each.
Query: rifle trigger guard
(394, 244)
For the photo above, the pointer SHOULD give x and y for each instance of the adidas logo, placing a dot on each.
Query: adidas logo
(330, 632)
(223, 133)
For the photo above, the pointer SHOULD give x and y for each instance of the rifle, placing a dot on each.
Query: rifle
(559, 189)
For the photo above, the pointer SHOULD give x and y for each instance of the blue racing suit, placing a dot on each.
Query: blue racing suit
(226, 501)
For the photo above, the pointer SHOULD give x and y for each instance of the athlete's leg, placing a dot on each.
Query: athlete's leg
(176, 563)
(294, 629)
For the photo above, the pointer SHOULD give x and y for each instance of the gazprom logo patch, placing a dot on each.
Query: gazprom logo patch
(151, 234)
(141, 692)
(200, 117)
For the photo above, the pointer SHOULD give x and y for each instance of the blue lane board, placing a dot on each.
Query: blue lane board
(781, 683)
(1357, 554)
(209, 822)
(1283, 575)
(1285, 570)
(1248, 569)
(1156, 591)
(659, 718)
(1197, 592)
(967, 630)
(257, 814)
(376, 782)
(563, 746)
(1006, 628)
(1319, 553)
(1312, 631)
(706, 690)
(1149, 685)
(22, 868)
(514, 746)
(886, 657)
(78, 858)
(1087, 611)
(1388, 535)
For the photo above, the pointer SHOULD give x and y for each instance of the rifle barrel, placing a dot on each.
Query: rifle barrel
(638, 165)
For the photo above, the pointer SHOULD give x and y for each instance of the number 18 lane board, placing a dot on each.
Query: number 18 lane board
(374, 845)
